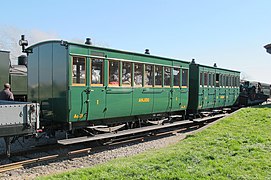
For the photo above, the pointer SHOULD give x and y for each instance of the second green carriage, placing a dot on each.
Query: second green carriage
(212, 87)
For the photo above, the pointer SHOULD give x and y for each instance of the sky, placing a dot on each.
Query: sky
(230, 33)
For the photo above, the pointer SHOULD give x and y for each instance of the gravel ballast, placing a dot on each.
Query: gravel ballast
(89, 160)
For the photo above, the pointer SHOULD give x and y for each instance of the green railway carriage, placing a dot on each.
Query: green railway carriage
(212, 87)
(82, 84)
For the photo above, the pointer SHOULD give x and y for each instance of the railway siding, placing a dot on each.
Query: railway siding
(237, 147)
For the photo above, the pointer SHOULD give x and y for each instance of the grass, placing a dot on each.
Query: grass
(238, 147)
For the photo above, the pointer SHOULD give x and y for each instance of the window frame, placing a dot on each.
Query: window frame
(108, 76)
(142, 75)
(121, 70)
(152, 75)
(217, 80)
(78, 84)
(155, 76)
(205, 79)
(201, 79)
(102, 74)
(187, 78)
(173, 85)
(170, 78)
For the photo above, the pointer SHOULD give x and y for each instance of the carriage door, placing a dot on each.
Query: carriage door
(176, 89)
(184, 89)
(78, 86)
(201, 88)
(97, 89)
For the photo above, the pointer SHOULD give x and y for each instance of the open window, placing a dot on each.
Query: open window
(158, 76)
(210, 79)
(184, 78)
(201, 79)
(217, 80)
(148, 78)
(113, 73)
(206, 79)
(78, 71)
(167, 76)
(176, 77)
(138, 75)
(97, 72)
(126, 73)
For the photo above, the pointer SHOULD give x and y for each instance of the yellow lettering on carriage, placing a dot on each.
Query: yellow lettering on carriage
(144, 100)
(76, 116)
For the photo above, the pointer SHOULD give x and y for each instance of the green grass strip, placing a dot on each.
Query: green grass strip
(238, 147)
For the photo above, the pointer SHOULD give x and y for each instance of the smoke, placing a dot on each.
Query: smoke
(10, 36)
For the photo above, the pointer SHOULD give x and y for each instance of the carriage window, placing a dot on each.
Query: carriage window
(201, 78)
(167, 76)
(221, 80)
(79, 71)
(217, 80)
(97, 71)
(184, 77)
(205, 79)
(228, 81)
(138, 75)
(126, 73)
(148, 79)
(237, 81)
(224, 80)
(158, 75)
(214, 81)
(113, 73)
(176, 77)
(210, 79)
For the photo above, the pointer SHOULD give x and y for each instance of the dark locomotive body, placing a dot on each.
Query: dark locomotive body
(253, 93)
(15, 75)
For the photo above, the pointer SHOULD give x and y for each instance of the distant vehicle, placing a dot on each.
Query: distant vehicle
(253, 93)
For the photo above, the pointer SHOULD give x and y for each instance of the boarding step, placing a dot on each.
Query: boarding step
(158, 122)
(176, 116)
(208, 118)
(106, 128)
(121, 133)
(206, 113)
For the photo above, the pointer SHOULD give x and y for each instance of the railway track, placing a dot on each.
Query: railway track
(184, 129)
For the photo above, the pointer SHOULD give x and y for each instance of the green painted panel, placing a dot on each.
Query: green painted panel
(161, 100)
(142, 101)
(118, 102)
(78, 50)
(184, 98)
(97, 106)
(4, 67)
(78, 105)
(18, 84)
(33, 76)
(176, 99)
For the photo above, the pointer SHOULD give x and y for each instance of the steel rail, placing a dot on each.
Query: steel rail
(122, 140)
